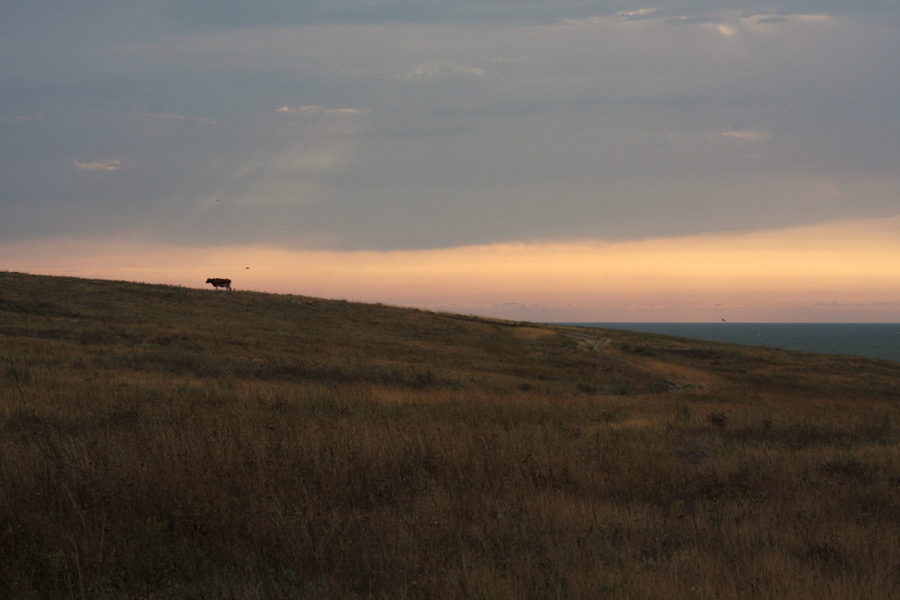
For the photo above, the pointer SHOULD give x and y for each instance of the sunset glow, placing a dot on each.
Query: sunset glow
(838, 272)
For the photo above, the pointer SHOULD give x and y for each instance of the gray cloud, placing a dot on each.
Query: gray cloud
(358, 124)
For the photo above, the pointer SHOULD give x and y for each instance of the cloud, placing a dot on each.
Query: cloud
(815, 18)
(111, 164)
(748, 135)
(642, 14)
(23, 118)
(318, 110)
(771, 19)
(727, 30)
(726, 22)
(433, 70)
(174, 117)
(371, 135)
(631, 15)
(836, 304)
(764, 23)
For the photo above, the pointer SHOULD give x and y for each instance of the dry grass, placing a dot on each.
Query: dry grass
(161, 442)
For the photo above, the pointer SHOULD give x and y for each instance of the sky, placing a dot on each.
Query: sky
(553, 160)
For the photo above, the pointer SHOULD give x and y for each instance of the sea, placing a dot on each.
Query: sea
(872, 340)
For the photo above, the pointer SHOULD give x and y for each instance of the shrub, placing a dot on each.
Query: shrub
(717, 419)
(585, 387)
(18, 373)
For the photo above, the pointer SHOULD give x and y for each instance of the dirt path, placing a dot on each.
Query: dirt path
(677, 376)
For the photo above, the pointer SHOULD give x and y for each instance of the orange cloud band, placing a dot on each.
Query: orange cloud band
(853, 262)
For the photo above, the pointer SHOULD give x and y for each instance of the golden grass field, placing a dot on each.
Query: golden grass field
(165, 442)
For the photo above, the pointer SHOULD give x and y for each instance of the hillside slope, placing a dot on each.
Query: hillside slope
(130, 328)
(159, 441)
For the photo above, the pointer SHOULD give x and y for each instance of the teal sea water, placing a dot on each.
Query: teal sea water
(873, 340)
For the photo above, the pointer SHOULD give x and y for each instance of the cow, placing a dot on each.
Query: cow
(217, 283)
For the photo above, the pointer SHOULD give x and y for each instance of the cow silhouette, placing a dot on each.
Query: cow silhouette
(217, 283)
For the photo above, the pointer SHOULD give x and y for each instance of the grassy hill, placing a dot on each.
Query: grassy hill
(164, 442)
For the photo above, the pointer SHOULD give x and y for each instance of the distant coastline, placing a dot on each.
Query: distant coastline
(872, 340)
